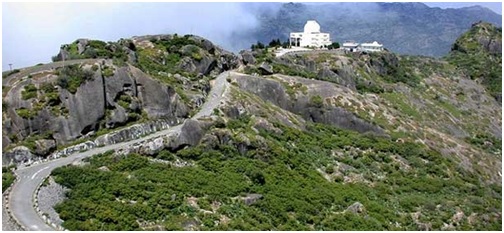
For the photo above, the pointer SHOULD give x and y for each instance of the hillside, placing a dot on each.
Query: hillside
(314, 141)
(404, 28)
(479, 53)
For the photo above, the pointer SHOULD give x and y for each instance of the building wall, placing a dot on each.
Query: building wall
(311, 39)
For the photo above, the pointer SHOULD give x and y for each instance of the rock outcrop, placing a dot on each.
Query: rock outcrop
(275, 91)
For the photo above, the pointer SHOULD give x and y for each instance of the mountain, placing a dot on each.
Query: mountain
(404, 28)
(320, 140)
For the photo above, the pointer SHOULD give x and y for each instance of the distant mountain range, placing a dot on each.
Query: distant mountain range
(405, 28)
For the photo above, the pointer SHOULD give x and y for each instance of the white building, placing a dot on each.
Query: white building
(311, 37)
(371, 47)
(351, 46)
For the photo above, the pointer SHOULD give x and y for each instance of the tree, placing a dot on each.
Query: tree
(334, 45)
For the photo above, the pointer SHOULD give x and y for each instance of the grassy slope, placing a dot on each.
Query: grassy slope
(300, 175)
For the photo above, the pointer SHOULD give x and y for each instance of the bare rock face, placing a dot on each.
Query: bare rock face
(100, 101)
(265, 68)
(247, 57)
(44, 146)
(274, 92)
(86, 107)
(190, 135)
(159, 101)
(342, 76)
(17, 155)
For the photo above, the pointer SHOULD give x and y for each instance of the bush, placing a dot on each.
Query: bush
(7, 178)
(29, 91)
(334, 45)
(26, 113)
(108, 71)
(317, 101)
(72, 77)
(10, 73)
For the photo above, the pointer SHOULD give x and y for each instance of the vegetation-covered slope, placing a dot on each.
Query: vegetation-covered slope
(279, 178)
(319, 141)
(479, 53)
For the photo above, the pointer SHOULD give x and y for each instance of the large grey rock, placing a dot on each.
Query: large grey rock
(252, 198)
(117, 117)
(341, 76)
(20, 154)
(274, 92)
(356, 208)
(159, 101)
(81, 45)
(265, 69)
(44, 146)
(86, 107)
(247, 57)
(190, 135)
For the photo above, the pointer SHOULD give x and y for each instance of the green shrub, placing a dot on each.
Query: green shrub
(317, 101)
(72, 77)
(29, 91)
(7, 178)
(25, 113)
(108, 71)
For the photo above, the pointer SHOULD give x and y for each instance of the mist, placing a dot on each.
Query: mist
(33, 32)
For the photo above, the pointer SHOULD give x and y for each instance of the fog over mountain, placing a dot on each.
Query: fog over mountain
(411, 28)
(406, 28)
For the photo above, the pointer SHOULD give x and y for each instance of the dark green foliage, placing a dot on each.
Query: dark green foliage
(7, 178)
(275, 43)
(26, 113)
(403, 71)
(29, 91)
(316, 101)
(95, 49)
(334, 45)
(7, 74)
(72, 77)
(363, 87)
(293, 71)
(487, 142)
(108, 71)
(295, 195)
(51, 94)
(257, 46)
(152, 62)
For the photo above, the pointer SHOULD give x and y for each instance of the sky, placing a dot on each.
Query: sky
(33, 32)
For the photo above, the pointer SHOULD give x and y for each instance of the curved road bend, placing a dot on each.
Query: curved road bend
(12, 79)
(21, 196)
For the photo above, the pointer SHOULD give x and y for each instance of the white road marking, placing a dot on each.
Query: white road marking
(33, 177)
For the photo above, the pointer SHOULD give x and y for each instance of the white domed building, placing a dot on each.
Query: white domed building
(311, 37)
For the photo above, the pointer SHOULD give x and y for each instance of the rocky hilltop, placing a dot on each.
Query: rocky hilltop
(403, 27)
(94, 87)
(307, 141)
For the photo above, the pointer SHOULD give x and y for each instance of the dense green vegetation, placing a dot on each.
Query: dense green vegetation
(7, 178)
(72, 77)
(7, 74)
(284, 171)
(96, 49)
(166, 55)
(29, 91)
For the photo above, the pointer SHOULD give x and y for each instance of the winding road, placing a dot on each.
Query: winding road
(29, 178)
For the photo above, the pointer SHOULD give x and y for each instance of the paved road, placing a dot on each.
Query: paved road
(21, 196)
(12, 79)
